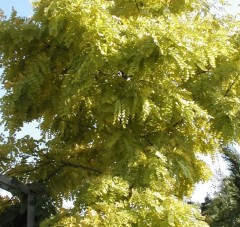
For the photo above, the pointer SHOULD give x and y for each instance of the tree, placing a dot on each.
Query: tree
(127, 95)
(223, 210)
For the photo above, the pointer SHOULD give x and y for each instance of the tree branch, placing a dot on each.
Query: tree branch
(80, 166)
(230, 87)
(177, 123)
(29, 170)
(4, 204)
(67, 163)
(54, 172)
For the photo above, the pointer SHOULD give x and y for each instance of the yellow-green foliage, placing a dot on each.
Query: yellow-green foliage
(129, 93)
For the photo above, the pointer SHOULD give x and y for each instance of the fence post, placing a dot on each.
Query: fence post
(31, 209)
(17, 188)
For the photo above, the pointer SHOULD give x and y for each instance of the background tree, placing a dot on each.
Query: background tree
(223, 210)
(127, 94)
(11, 212)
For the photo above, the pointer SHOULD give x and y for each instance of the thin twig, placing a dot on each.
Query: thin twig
(55, 172)
(177, 123)
(228, 90)
(70, 164)
(29, 170)
(80, 166)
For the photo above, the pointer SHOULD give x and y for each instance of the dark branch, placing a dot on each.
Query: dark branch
(54, 172)
(80, 166)
(69, 164)
(6, 203)
(75, 123)
(30, 170)
(230, 87)
(177, 123)
(204, 71)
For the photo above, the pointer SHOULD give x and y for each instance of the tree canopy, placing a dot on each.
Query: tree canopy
(127, 95)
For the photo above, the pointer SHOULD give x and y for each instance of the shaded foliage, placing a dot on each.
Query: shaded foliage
(223, 209)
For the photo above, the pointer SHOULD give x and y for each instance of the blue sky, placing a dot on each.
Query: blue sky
(24, 8)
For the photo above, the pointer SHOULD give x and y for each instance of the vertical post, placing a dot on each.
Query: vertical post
(31, 209)
(17, 188)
